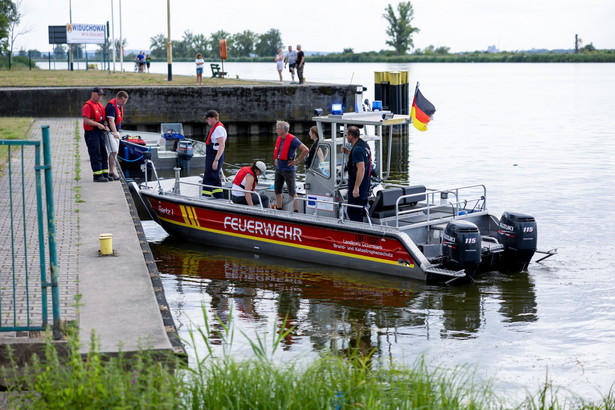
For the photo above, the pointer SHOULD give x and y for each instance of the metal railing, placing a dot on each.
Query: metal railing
(480, 202)
(16, 281)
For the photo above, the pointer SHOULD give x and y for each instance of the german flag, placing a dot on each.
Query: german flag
(422, 111)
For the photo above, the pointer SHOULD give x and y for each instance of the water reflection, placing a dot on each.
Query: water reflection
(338, 309)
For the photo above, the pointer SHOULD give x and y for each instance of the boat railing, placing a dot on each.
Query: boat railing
(344, 206)
(148, 162)
(480, 203)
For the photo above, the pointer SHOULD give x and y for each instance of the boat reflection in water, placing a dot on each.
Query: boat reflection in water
(337, 309)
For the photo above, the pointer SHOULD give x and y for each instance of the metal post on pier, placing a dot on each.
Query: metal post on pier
(51, 233)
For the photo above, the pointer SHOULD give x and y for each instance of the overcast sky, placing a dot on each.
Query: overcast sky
(332, 25)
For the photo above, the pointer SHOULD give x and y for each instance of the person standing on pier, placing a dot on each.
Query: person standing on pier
(214, 155)
(300, 63)
(94, 125)
(285, 163)
(291, 60)
(114, 111)
(359, 172)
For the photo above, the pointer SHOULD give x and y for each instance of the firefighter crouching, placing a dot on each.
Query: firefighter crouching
(95, 134)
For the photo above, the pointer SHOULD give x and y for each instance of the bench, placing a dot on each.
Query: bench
(384, 205)
(216, 72)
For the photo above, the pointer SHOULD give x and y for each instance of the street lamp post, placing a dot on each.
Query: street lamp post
(70, 20)
(121, 42)
(113, 35)
(169, 44)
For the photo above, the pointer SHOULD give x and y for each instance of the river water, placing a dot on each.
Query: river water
(540, 137)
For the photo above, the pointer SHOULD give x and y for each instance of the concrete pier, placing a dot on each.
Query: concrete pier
(118, 297)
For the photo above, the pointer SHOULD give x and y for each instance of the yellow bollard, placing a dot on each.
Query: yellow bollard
(106, 244)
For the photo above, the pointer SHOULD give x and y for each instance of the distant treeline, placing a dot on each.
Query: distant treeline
(599, 56)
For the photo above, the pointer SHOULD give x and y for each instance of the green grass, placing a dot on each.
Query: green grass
(157, 380)
(64, 78)
(12, 128)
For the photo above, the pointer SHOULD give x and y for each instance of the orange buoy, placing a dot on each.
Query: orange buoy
(223, 49)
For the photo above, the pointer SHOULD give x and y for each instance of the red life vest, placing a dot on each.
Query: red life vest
(285, 148)
(211, 131)
(119, 113)
(97, 113)
(240, 178)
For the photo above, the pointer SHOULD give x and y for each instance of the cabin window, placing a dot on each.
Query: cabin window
(321, 164)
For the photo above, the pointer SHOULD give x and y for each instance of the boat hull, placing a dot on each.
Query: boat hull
(286, 235)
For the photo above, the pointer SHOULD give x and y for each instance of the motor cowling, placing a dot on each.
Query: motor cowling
(461, 246)
(519, 235)
(185, 150)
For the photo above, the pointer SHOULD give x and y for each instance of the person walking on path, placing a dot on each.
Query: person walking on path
(279, 63)
(114, 111)
(291, 60)
(148, 62)
(94, 125)
(359, 171)
(214, 155)
(300, 63)
(199, 68)
(285, 163)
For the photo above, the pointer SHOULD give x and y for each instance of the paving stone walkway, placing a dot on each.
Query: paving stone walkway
(19, 235)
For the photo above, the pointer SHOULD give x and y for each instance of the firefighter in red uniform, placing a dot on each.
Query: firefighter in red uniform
(93, 123)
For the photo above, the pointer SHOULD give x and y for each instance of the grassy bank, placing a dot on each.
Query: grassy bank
(342, 380)
(12, 128)
(63, 78)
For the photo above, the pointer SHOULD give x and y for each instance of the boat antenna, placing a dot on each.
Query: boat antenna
(351, 77)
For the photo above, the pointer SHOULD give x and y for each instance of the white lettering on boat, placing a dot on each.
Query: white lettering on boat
(270, 229)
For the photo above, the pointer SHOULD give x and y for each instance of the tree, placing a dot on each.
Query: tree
(119, 48)
(244, 43)
(200, 44)
(14, 29)
(400, 30)
(7, 13)
(59, 51)
(158, 45)
(269, 43)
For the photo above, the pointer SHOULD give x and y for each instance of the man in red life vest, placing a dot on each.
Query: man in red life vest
(115, 113)
(285, 163)
(93, 123)
(214, 155)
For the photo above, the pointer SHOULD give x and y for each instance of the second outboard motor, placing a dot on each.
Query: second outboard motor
(461, 246)
(185, 152)
(519, 235)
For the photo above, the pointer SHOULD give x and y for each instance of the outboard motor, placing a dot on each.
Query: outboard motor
(519, 235)
(461, 246)
(185, 152)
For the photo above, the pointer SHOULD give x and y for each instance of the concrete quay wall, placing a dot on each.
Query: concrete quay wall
(244, 109)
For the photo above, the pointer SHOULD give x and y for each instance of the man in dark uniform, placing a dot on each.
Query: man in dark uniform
(94, 125)
(359, 171)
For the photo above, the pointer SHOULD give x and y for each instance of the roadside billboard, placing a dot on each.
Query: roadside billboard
(85, 33)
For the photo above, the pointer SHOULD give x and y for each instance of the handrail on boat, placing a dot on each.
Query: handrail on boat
(178, 182)
(317, 201)
(430, 196)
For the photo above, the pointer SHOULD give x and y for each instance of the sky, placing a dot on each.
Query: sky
(329, 26)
